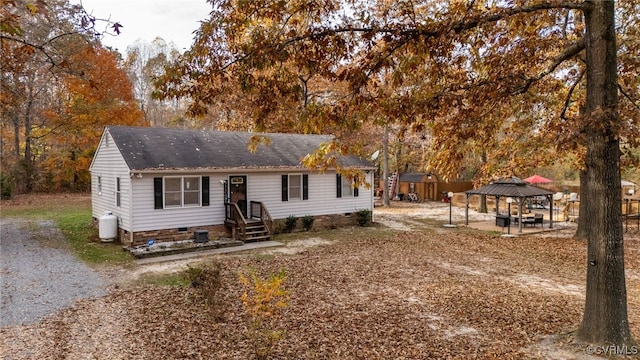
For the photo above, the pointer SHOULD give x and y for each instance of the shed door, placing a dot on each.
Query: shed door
(238, 192)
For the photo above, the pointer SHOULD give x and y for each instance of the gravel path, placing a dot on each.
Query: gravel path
(38, 274)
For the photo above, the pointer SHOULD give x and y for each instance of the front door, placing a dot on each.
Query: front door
(238, 192)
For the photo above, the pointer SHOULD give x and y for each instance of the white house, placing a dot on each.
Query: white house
(167, 184)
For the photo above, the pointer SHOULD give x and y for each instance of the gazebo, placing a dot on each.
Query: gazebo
(514, 188)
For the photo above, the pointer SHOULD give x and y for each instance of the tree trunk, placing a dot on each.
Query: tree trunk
(582, 232)
(16, 134)
(483, 204)
(483, 198)
(385, 175)
(28, 161)
(605, 318)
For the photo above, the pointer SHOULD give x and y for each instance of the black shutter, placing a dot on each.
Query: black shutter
(157, 193)
(285, 187)
(205, 191)
(305, 186)
(355, 191)
(338, 185)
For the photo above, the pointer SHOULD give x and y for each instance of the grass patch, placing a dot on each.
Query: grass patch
(175, 279)
(44, 206)
(82, 236)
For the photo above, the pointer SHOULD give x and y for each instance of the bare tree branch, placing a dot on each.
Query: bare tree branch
(567, 100)
(569, 52)
(626, 95)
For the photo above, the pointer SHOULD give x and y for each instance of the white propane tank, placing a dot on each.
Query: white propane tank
(108, 227)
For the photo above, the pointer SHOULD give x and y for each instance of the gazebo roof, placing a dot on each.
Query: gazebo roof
(510, 187)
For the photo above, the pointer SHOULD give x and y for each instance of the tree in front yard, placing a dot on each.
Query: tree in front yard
(517, 83)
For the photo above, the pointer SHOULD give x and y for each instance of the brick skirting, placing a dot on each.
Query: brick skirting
(220, 231)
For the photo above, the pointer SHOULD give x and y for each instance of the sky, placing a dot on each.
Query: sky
(172, 20)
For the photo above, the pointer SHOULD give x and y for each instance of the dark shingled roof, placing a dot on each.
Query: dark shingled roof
(509, 187)
(147, 148)
(412, 177)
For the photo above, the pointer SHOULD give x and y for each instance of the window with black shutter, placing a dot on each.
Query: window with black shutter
(157, 193)
(305, 187)
(205, 191)
(285, 187)
(180, 191)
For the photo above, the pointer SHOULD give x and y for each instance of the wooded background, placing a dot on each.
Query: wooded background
(451, 102)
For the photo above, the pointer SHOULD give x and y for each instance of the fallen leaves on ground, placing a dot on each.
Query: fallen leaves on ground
(411, 295)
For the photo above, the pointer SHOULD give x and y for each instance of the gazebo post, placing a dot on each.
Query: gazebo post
(550, 199)
(466, 210)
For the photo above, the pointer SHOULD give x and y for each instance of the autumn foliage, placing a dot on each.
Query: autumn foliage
(96, 94)
(58, 89)
(263, 300)
(501, 82)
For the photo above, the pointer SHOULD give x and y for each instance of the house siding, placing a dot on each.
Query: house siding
(148, 218)
(266, 187)
(139, 219)
(263, 187)
(109, 166)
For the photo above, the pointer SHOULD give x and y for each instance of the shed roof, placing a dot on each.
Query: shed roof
(510, 187)
(412, 177)
(146, 148)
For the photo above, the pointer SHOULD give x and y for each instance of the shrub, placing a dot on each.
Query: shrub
(6, 187)
(307, 222)
(208, 280)
(363, 217)
(290, 223)
(263, 299)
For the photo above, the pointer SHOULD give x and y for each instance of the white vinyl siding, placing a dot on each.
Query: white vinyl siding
(148, 218)
(107, 166)
(322, 196)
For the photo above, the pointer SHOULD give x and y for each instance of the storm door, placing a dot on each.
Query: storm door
(238, 192)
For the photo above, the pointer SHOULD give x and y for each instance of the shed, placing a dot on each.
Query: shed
(424, 185)
(511, 187)
(628, 188)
